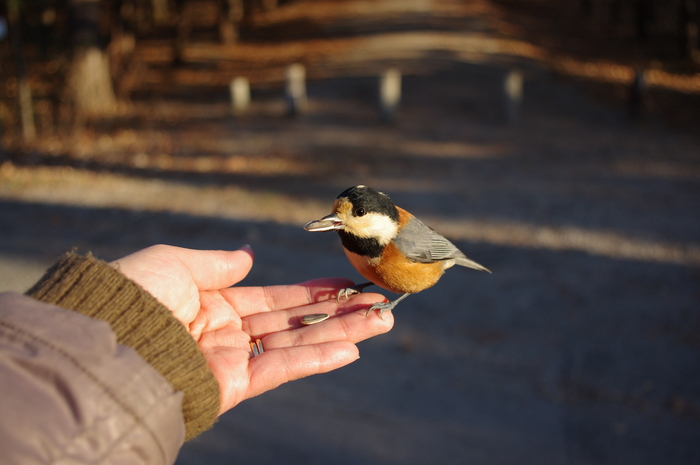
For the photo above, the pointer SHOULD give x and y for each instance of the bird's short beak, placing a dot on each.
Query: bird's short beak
(327, 223)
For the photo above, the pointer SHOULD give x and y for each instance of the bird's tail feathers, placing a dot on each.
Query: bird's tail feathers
(464, 261)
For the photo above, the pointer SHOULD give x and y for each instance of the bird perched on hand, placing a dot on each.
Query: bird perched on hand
(389, 246)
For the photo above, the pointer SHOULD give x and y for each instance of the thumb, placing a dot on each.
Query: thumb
(217, 269)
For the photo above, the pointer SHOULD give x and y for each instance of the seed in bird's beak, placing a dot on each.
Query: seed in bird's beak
(327, 223)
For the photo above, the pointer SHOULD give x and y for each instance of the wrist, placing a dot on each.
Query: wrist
(96, 289)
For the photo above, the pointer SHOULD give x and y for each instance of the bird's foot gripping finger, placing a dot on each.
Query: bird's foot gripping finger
(386, 306)
(382, 307)
(352, 290)
(346, 293)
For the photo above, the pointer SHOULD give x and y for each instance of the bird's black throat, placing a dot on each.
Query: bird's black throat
(360, 245)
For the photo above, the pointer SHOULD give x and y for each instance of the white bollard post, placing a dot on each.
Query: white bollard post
(296, 89)
(240, 95)
(389, 93)
(512, 95)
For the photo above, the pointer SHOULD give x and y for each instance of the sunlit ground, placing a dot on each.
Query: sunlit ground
(581, 347)
(69, 186)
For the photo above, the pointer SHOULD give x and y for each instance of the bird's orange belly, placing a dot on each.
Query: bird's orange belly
(396, 273)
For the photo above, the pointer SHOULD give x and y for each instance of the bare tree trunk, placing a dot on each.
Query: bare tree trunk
(121, 47)
(89, 79)
(644, 13)
(183, 32)
(160, 11)
(690, 29)
(269, 5)
(586, 7)
(91, 83)
(24, 92)
(233, 11)
(616, 12)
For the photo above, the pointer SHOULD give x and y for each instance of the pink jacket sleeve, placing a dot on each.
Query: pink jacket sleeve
(69, 393)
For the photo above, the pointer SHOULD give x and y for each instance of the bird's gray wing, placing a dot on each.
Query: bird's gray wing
(423, 244)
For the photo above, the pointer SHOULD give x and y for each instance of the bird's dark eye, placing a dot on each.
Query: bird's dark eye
(360, 211)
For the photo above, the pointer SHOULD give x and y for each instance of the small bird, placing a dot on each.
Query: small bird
(388, 246)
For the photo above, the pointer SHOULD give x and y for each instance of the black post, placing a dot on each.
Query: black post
(637, 95)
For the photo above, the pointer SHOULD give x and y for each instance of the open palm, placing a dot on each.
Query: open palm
(196, 286)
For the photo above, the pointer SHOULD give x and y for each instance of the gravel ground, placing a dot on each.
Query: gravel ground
(582, 347)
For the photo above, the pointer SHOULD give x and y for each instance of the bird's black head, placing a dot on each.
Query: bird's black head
(366, 200)
(365, 219)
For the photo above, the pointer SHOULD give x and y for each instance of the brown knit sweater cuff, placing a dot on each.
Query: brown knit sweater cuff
(92, 287)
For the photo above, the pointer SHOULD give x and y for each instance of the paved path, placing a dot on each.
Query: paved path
(581, 348)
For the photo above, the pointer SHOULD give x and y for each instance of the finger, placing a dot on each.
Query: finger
(252, 300)
(217, 269)
(353, 327)
(261, 324)
(208, 269)
(278, 366)
(350, 323)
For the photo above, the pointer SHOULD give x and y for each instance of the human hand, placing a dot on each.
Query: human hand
(195, 286)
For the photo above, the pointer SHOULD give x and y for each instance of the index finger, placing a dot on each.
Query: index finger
(251, 300)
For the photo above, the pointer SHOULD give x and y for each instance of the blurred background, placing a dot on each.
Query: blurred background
(557, 143)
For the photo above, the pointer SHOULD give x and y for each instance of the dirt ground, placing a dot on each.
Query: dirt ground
(582, 347)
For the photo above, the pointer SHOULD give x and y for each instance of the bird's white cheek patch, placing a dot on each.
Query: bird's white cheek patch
(373, 226)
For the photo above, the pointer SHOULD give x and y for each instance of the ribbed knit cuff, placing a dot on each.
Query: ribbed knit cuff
(94, 288)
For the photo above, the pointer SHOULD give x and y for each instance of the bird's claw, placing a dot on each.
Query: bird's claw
(352, 290)
(346, 293)
(382, 307)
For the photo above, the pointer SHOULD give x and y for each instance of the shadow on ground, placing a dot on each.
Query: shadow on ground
(558, 357)
(582, 347)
